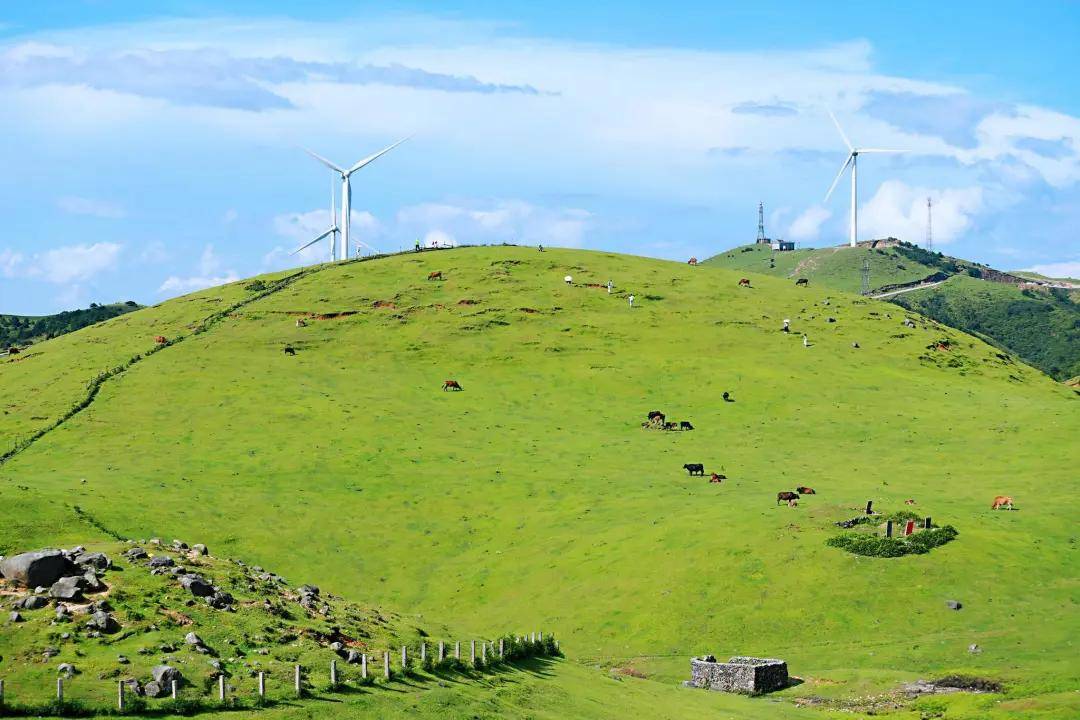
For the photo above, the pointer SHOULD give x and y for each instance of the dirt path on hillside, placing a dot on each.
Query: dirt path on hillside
(901, 291)
(810, 264)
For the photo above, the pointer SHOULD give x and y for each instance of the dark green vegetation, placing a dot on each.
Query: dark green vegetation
(533, 498)
(20, 330)
(1040, 325)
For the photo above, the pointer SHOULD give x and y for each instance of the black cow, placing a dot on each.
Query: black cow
(801, 281)
(685, 425)
(727, 397)
(695, 469)
(289, 350)
(786, 496)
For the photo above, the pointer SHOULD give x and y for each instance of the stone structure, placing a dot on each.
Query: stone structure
(739, 674)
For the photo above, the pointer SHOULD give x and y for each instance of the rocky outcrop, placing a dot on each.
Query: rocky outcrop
(34, 569)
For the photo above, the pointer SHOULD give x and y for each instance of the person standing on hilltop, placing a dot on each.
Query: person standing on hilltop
(417, 248)
(631, 299)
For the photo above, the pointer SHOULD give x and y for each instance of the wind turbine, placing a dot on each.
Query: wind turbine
(346, 189)
(852, 160)
(332, 231)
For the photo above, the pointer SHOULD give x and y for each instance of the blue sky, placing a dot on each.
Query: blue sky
(154, 148)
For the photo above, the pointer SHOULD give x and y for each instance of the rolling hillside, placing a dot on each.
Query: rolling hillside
(19, 330)
(535, 499)
(1041, 326)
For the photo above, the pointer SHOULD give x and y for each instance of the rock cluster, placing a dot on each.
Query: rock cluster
(62, 575)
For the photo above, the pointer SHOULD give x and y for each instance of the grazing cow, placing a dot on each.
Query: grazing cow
(1002, 501)
(786, 495)
(715, 478)
(300, 322)
(801, 281)
(909, 502)
(437, 275)
(745, 282)
(289, 350)
(727, 397)
(451, 385)
(802, 490)
(793, 503)
(695, 469)
(671, 426)
(685, 425)
(160, 339)
(692, 261)
(12, 350)
(657, 415)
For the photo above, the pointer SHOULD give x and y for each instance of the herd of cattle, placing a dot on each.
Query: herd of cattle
(658, 421)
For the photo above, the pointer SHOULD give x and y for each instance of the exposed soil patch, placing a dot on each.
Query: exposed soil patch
(333, 315)
(530, 311)
(467, 301)
(383, 304)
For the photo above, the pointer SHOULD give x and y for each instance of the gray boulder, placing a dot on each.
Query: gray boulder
(91, 581)
(15, 617)
(103, 622)
(31, 569)
(165, 675)
(197, 585)
(193, 639)
(200, 549)
(132, 687)
(99, 561)
(352, 657)
(220, 600)
(62, 612)
(66, 669)
(161, 561)
(67, 588)
(34, 602)
(135, 553)
(153, 689)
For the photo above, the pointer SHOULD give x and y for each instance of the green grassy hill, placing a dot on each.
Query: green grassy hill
(19, 330)
(1041, 326)
(534, 498)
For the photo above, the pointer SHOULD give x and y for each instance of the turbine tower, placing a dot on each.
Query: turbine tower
(929, 226)
(852, 160)
(346, 189)
(332, 231)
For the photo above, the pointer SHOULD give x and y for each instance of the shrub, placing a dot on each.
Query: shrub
(861, 543)
(255, 286)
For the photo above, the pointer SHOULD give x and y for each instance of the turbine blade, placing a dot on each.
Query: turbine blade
(376, 156)
(305, 247)
(842, 169)
(324, 161)
(877, 150)
(841, 131)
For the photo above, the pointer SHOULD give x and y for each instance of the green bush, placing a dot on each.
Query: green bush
(861, 543)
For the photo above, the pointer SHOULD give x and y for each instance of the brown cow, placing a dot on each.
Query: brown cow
(160, 339)
(1002, 501)
(451, 385)
(786, 495)
(745, 282)
(803, 490)
(692, 261)
(437, 275)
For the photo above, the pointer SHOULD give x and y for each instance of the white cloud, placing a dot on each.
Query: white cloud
(899, 210)
(230, 216)
(61, 265)
(88, 206)
(1067, 269)
(808, 225)
(439, 239)
(209, 263)
(497, 221)
(179, 285)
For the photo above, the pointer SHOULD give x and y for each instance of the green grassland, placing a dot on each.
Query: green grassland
(1042, 325)
(533, 499)
(836, 267)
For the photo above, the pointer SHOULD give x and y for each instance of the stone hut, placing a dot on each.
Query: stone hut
(739, 674)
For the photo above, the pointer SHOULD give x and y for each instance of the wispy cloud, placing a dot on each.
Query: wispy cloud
(765, 109)
(899, 210)
(213, 77)
(63, 264)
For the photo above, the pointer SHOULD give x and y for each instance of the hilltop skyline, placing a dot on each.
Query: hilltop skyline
(153, 154)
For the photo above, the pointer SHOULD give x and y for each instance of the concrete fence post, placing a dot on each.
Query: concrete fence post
(333, 673)
(262, 684)
(472, 656)
(483, 651)
(386, 664)
(556, 646)
(60, 690)
(363, 666)
(501, 648)
(423, 653)
(174, 689)
(540, 636)
(442, 651)
(532, 638)
(297, 681)
(404, 657)
(457, 650)
(221, 687)
(120, 695)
